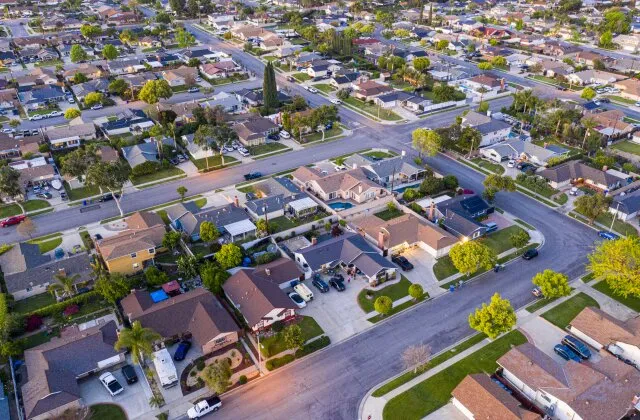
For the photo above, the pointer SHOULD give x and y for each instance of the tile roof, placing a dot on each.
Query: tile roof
(604, 328)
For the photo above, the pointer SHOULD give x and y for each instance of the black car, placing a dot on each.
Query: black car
(530, 254)
(182, 350)
(337, 284)
(252, 175)
(402, 263)
(604, 100)
(320, 285)
(129, 374)
(107, 197)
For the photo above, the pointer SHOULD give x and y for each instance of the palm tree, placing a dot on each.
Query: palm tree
(66, 285)
(588, 124)
(138, 340)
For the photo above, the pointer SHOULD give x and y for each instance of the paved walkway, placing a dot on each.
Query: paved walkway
(607, 304)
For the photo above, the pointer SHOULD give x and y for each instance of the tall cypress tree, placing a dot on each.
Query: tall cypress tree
(430, 14)
(269, 88)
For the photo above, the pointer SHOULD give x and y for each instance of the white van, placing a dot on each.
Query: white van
(303, 291)
(165, 368)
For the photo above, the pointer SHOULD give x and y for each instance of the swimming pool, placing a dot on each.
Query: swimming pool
(339, 205)
(403, 189)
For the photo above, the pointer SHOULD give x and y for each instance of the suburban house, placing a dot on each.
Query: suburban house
(196, 314)
(54, 368)
(369, 90)
(605, 389)
(587, 77)
(484, 83)
(552, 68)
(491, 129)
(89, 70)
(630, 43)
(255, 131)
(34, 170)
(280, 197)
(343, 81)
(394, 171)
(144, 152)
(348, 185)
(350, 250)
(71, 135)
(480, 397)
(575, 172)
(459, 215)
(131, 250)
(232, 222)
(181, 76)
(127, 122)
(37, 77)
(41, 97)
(611, 123)
(14, 148)
(405, 231)
(81, 90)
(629, 88)
(517, 149)
(126, 66)
(219, 70)
(256, 293)
(588, 58)
(626, 206)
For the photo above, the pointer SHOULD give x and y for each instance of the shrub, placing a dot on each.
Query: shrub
(267, 257)
(145, 168)
(193, 373)
(200, 364)
(273, 364)
(277, 326)
(57, 308)
(242, 380)
(318, 344)
(215, 247)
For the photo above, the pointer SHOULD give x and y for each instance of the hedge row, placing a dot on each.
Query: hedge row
(315, 345)
(273, 364)
(61, 306)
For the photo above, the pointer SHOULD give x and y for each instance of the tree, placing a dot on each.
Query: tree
(229, 256)
(80, 77)
(426, 141)
(77, 53)
(138, 340)
(27, 228)
(431, 185)
(499, 61)
(293, 337)
(495, 318)
(182, 190)
(112, 287)
(203, 137)
(164, 18)
(90, 31)
(494, 183)
(154, 90)
(118, 87)
(10, 184)
(519, 238)
(269, 88)
(416, 291)
(111, 177)
(592, 206)
(213, 277)
(485, 66)
(71, 113)
(421, 63)
(450, 182)
(155, 277)
(606, 39)
(483, 107)
(383, 305)
(416, 357)
(601, 159)
(216, 376)
(14, 122)
(262, 226)
(109, 52)
(444, 93)
(65, 286)
(468, 257)
(618, 263)
(193, 9)
(77, 163)
(588, 93)
(93, 98)
(552, 284)
(188, 266)
(208, 231)
(184, 38)
(171, 240)
(442, 44)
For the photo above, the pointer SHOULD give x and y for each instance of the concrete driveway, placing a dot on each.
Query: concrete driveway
(422, 272)
(134, 400)
(175, 393)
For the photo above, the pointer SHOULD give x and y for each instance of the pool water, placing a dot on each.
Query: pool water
(338, 205)
(403, 189)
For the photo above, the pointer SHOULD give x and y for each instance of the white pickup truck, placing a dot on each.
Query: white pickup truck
(203, 407)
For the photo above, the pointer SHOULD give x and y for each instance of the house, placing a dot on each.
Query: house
(255, 131)
(181, 76)
(517, 149)
(552, 68)
(575, 172)
(131, 250)
(219, 69)
(558, 49)
(41, 97)
(34, 170)
(228, 101)
(478, 396)
(611, 123)
(280, 197)
(13, 148)
(81, 90)
(71, 135)
(127, 122)
(606, 389)
(246, 32)
(587, 77)
(350, 250)
(406, 231)
(626, 206)
(353, 185)
(89, 70)
(30, 42)
(256, 294)
(144, 152)
(230, 220)
(107, 154)
(392, 171)
(629, 88)
(125, 66)
(460, 215)
(37, 77)
(344, 80)
(7, 58)
(485, 83)
(588, 58)
(369, 90)
(203, 54)
(197, 314)
(54, 368)
(491, 129)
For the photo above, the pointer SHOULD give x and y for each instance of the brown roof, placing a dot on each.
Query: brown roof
(539, 370)
(146, 231)
(108, 154)
(255, 295)
(371, 88)
(486, 400)
(278, 271)
(486, 80)
(407, 229)
(629, 86)
(181, 72)
(304, 174)
(604, 328)
(336, 181)
(197, 311)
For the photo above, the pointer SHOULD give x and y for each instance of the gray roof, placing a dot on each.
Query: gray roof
(96, 85)
(460, 225)
(42, 274)
(575, 169)
(349, 248)
(272, 203)
(21, 257)
(140, 153)
(517, 147)
(629, 203)
(492, 126)
(223, 216)
(397, 165)
(183, 214)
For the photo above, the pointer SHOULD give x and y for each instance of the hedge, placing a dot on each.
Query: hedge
(315, 345)
(273, 364)
(61, 306)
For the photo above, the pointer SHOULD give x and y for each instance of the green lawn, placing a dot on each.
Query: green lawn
(49, 63)
(43, 111)
(324, 87)
(525, 224)
(281, 223)
(9, 210)
(265, 148)
(402, 379)
(200, 202)
(214, 162)
(562, 314)
(80, 193)
(31, 205)
(587, 277)
(372, 110)
(618, 225)
(444, 268)
(435, 392)
(395, 292)
(107, 412)
(378, 154)
(275, 344)
(630, 301)
(493, 167)
(561, 199)
(334, 131)
(47, 245)
(397, 309)
(540, 303)
(30, 304)
(156, 176)
(389, 214)
(627, 146)
(301, 77)
(39, 338)
(621, 99)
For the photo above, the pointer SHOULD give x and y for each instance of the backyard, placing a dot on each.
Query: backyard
(627, 146)
(367, 297)
(562, 314)
(30, 304)
(389, 213)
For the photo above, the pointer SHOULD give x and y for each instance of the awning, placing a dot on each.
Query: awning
(172, 286)
(240, 228)
(303, 204)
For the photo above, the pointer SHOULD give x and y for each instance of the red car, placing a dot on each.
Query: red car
(12, 220)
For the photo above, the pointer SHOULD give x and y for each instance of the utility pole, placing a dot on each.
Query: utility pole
(615, 216)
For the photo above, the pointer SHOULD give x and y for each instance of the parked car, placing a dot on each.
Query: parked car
(491, 227)
(402, 263)
(285, 134)
(243, 152)
(203, 407)
(337, 284)
(336, 101)
(574, 191)
(530, 254)
(45, 195)
(320, 285)
(107, 197)
(182, 350)
(566, 353)
(36, 117)
(536, 292)
(111, 383)
(174, 161)
(300, 303)
(71, 100)
(181, 157)
(252, 175)
(304, 292)
(313, 90)
(97, 106)
(129, 374)
(511, 164)
(15, 220)
(193, 90)
(55, 114)
(577, 346)
(291, 79)
(273, 136)
(609, 236)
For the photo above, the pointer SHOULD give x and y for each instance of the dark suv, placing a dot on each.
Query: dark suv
(320, 285)
(129, 374)
(577, 346)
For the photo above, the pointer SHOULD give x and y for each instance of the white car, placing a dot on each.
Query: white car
(97, 106)
(638, 103)
(285, 134)
(36, 117)
(313, 90)
(244, 152)
(511, 164)
(55, 114)
(297, 299)
(336, 101)
(111, 383)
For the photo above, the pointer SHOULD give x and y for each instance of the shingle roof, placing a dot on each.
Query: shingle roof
(42, 274)
(145, 231)
(629, 203)
(21, 257)
(604, 328)
(575, 169)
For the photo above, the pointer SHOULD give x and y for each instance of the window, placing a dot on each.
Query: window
(152, 250)
(133, 255)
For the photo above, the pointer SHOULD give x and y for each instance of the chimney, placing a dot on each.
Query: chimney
(432, 211)
(359, 189)
(381, 240)
(314, 240)
(605, 168)
(354, 166)
(267, 271)
(236, 202)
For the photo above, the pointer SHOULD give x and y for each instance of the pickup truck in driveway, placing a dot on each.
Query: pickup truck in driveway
(111, 383)
(203, 407)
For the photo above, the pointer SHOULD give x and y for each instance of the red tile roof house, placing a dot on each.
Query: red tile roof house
(257, 293)
(196, 313)
(347, 185)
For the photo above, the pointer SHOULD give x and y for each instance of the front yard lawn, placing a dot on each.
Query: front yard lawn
(50, 245)
(214, 162)
(107, 412)
(43, 111)
(395, 292)
(30, 304)
(265, 148)
(540, 303)
(378, 154)
(334, 131)
(434, 392)
(156, 176)
(33, 205)
(275, 344)
(49, 63)
(444, 268)
(621, 99)
(301, 77)
(389, 214)
(630, 301)
(324, 87)
(618, 225)
(80, 193)
(627, 146)
(499, 241)
(493, 167)
(372, 110)
(562, 314)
